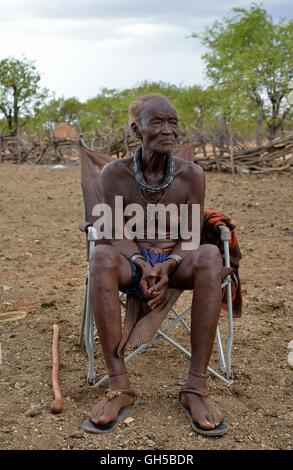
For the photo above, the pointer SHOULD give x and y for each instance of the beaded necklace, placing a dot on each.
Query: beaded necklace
(140, 179)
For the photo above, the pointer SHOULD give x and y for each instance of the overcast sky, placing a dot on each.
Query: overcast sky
(81, 46)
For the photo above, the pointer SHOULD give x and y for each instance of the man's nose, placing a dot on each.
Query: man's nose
(167, 129)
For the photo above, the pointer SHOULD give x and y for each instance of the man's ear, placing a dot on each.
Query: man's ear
(136, 131)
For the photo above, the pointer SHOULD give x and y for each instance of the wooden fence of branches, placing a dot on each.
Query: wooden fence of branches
(213, 149)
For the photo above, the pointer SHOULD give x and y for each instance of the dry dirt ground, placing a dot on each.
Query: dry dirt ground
(43, 262)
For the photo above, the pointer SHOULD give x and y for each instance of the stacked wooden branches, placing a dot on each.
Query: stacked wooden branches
(119, 142)
(19, 149)
(276, 155)
(213, 150)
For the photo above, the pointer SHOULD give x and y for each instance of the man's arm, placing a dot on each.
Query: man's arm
(111, 187)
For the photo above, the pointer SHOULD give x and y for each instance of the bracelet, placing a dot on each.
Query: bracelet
(134, 257)
(176, 258)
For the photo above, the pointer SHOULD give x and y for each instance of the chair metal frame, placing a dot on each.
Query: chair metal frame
(88, 334)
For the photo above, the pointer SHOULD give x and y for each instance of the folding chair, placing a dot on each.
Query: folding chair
(91, 164)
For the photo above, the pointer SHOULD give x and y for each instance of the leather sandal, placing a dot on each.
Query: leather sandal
(90, 426)
(220, 430)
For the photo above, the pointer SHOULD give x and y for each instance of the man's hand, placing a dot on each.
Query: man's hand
(148, 278)
(157, 291)
(154, 280)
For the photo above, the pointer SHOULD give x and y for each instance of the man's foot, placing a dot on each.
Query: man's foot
(203, 413)
(108, 409)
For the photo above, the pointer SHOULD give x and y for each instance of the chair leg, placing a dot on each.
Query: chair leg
(181, 320)
(83, 315)
(229, 346)
(229, 314)
(89, 338)
(221, 351)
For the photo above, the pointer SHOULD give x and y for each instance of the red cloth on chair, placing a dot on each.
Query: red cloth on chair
(211, 234)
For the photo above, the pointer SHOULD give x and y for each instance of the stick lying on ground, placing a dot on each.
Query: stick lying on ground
(58, 403)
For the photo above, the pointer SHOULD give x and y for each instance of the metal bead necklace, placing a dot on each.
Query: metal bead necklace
(140, 179)
(144, 187)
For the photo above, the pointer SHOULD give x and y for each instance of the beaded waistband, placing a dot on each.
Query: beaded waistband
(160, 250)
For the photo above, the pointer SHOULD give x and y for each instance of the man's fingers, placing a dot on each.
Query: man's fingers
(154, 294)
(161, 283)
(156, 301)
(149, 280)
(144, 287)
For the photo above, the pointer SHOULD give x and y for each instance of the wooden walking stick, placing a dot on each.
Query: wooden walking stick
(58, 403)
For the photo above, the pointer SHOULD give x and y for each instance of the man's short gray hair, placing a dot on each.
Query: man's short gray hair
(136, 106)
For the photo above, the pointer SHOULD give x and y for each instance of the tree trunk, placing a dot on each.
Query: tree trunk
(15, 108)
(0, 147)
(231, 150)
(259, 128)
(214, 149)
(273, 130)
(18, 144)
(222, 141)
(9, 119)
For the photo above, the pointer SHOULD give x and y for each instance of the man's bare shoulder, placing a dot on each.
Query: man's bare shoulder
(117, 168)
(188, 170)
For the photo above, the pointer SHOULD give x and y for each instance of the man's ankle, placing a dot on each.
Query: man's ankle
(197, 381)
(119, 379)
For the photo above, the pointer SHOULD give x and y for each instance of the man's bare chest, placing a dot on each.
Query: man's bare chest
(176, 194)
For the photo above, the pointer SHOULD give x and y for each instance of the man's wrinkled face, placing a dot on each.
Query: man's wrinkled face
(158, 127)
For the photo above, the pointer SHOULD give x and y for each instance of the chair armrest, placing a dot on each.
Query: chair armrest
(225, 232)
(92, 234)
(84, 226)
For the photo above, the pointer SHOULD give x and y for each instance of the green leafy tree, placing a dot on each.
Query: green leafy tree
(107, 109)
(251, 58)
(110, 107)
(59, 110)
(20, 92)
(189, 101)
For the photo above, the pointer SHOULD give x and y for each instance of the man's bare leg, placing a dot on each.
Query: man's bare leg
(109, 270)
(202, 272)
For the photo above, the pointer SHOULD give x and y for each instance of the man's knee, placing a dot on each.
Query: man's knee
(104, 257)
(208, 257)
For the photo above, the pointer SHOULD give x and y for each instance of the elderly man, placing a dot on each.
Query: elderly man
(147, 267)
